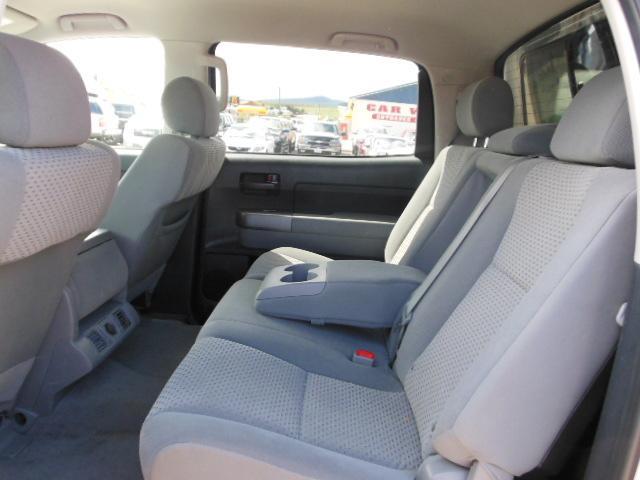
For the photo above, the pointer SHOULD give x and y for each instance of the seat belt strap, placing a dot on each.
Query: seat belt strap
(406, 315)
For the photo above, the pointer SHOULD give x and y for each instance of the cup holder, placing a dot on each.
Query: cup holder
(300, 272)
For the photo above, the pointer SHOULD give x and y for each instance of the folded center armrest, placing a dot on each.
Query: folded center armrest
(358, 293)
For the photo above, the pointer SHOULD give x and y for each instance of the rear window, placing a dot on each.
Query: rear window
(546, 72)
(288, 100)
(124, 78)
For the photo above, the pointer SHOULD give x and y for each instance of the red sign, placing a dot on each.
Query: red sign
(382, 108)
(393, 113)
(393, 118)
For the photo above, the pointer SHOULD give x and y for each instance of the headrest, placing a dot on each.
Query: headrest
(44, 101)
(596, 127)
(523, 141)
(190, 106)
(485, 107)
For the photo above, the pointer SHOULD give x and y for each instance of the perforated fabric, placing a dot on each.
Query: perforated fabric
(362, 422)
(205, 162)
(551, 198)
(235, 382)
(549, 201)
(449, 178)
(65, 192)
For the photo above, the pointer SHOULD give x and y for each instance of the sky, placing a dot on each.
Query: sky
(131, 70)
(256, 72)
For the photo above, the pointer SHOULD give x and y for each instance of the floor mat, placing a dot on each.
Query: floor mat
(93, 433)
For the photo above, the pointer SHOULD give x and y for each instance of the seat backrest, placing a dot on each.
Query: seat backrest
(510, 336)
(424, 229)
(55, 187)
(157, 194)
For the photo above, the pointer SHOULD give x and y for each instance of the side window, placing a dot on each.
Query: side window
(546, 72)
(288, 100)
(124, 79)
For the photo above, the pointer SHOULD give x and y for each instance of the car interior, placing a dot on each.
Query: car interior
(319, 240)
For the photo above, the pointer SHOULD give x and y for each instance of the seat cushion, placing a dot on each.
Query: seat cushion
(269, 415)
(281, 257)
(325, 350)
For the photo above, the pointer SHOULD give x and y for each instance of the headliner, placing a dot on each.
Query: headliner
(447, 34)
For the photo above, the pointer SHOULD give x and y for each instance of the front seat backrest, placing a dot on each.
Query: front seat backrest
(158, 193)
(55, 187)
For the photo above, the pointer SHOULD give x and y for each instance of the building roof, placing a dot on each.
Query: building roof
(407, 93)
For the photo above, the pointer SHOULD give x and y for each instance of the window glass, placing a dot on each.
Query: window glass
(546, 81)
(289, 100)
(546, 72)
(124, 79)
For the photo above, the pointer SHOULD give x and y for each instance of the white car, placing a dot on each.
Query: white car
(105, 124)
(141, 128)
(359, 137)
(242, 137)
(384, 145)
(226, 120)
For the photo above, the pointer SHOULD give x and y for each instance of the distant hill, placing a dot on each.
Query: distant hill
(319, 100)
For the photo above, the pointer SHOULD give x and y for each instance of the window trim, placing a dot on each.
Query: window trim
(425, 123)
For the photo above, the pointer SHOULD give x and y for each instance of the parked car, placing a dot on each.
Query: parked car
(320, 138)
(289, 134)
(226, 120)
(385, 145)
(124, 111)
(277, 128)
(141, 128)
(243, 137)
(105, 124)
(358, 138)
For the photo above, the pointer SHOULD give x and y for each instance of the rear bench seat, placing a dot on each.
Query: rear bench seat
(501, 348)
(441, 204)
(236, 318)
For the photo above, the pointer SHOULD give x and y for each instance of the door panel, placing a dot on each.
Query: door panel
(340, 207)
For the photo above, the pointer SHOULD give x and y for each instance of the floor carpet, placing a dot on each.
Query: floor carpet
(93, 433)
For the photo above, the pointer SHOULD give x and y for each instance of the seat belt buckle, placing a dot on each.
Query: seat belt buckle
(364, 357)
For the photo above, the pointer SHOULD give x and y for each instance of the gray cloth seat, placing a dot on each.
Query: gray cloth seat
(55, 187)
(157, 194)
(320, 349)
(423, 231)
(500, 351)
(236, 318)
(456, 182)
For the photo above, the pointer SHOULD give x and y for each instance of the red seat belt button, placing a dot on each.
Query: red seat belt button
(364, 357)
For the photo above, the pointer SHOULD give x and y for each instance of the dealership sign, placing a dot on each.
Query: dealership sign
(397, 118)
(392, 112)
